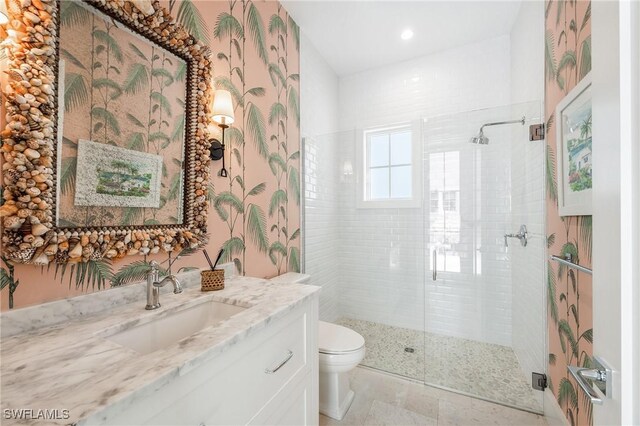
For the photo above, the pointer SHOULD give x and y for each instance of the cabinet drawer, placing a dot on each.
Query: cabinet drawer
(293, 406)
(241, 384)
(285, 352)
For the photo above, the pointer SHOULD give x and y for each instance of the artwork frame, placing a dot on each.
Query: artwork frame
(127, 178)
(30, 140)
(573, 118)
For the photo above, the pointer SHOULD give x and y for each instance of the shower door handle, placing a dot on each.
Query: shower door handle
(596, 383)
(435, 264)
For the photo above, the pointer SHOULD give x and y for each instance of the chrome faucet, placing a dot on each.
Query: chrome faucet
(153, 286)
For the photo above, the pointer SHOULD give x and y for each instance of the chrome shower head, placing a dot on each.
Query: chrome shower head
(480, 139)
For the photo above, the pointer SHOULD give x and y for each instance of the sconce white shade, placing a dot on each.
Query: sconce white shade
(3, 18)
(223, 107)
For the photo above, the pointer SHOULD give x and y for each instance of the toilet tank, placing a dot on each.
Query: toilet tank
(292, 277)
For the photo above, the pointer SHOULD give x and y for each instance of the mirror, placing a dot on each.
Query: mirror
(106, 148)
(122, 114)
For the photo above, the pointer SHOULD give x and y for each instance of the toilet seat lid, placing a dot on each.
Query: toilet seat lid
(336, 339)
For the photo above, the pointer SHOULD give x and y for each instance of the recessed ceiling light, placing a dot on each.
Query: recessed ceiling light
(407, 34)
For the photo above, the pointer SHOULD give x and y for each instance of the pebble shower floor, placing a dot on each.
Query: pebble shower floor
(485, 370)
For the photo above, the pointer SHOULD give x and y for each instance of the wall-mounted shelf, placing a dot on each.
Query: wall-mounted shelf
(570, 264)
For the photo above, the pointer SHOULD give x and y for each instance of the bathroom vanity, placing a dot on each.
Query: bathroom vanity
(243, 355)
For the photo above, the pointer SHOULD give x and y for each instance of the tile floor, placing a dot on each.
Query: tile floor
(382, 399)
(482, 369)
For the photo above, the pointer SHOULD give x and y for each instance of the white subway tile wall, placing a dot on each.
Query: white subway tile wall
(318, 92)
(319, 116)
(528, 263)
(321, 235)
(462, 79)
(385, 263)
(528, 199)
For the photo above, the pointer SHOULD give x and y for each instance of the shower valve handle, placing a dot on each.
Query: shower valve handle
(522, 235)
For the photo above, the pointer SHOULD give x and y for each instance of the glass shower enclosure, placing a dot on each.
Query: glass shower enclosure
(435, 291)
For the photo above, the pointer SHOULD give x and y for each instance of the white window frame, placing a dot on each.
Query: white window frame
(415, 201)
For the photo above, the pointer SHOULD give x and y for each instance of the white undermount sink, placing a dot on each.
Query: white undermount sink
(170, 329)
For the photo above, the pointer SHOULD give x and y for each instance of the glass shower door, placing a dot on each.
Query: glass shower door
(471, 301)
(381, 290)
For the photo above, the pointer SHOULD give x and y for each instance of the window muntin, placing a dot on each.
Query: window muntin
(434, 201)
(450, 201)
(445, 221)
(389, 164)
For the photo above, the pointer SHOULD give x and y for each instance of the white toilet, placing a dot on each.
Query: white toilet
(340, 351)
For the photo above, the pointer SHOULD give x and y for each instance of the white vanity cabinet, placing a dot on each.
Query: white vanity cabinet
(269, 377)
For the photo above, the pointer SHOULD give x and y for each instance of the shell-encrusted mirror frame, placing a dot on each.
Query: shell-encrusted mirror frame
(29, 140)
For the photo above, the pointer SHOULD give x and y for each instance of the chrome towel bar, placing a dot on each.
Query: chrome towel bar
(570, 264)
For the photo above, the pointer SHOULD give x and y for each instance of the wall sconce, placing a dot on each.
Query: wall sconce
(347, 168)
(347, 171)
(223, 116)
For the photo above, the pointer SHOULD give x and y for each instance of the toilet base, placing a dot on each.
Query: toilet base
(335, 394)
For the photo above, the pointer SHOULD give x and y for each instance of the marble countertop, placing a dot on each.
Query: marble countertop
(67, 365)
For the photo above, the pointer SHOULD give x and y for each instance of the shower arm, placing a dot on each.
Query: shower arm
(497, 123)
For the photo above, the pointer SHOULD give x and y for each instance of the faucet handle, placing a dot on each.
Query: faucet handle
(154, 265)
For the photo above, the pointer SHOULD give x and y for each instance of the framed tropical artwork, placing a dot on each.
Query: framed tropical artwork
(574, 154)
(117, 176)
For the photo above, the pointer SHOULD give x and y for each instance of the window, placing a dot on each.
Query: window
(390, 168)
(450, 201)
(435, 201)
(443, 179)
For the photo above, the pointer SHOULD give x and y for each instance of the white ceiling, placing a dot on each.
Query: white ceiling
(358, 35)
